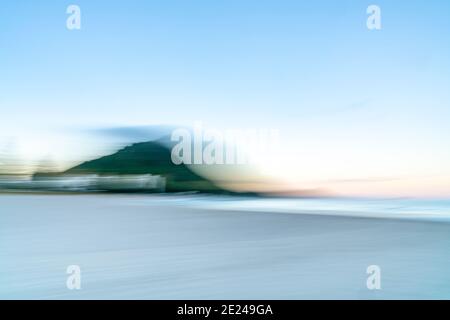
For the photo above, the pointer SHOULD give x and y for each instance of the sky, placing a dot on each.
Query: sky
(359, 112)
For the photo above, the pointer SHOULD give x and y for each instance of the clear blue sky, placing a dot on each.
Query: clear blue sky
(309, 68)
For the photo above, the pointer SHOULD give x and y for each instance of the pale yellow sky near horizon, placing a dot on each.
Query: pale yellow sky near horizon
(322, 171)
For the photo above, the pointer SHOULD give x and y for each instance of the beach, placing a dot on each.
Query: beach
(165, 247)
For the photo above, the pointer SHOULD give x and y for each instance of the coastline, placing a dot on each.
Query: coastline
(133, 247)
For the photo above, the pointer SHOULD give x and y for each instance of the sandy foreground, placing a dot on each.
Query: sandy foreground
(147, 247)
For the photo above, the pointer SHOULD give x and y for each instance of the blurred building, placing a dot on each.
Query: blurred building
(81, 183)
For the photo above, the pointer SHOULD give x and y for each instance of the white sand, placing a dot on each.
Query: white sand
(147, 247)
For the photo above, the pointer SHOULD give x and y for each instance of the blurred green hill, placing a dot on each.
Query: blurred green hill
(148, 158)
